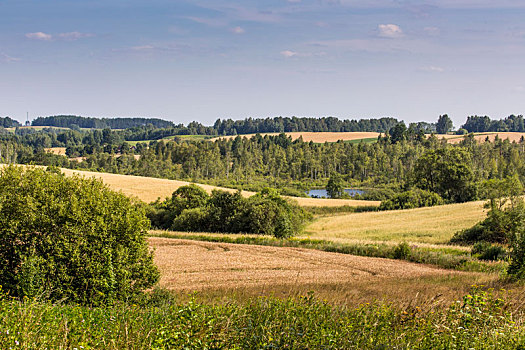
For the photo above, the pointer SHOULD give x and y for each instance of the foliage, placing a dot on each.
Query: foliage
(480, 320)
(504, 217)
(444, 124)
(7, 122)
(414, 198)
(70, 238)
(191, 209)
(484, 124)
(70, 121)
(487, 251)
(447, 172)
(335, 188)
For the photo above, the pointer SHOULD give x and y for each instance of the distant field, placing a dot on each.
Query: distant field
(319, 137)
(61, 151)
(149, 189)
(425, 225)
(481, 137)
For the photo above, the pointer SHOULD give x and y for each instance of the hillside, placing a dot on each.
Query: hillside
(424, 225)
(149, 189)
(318, 137)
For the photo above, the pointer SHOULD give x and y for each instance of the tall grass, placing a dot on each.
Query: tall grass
(478, 321)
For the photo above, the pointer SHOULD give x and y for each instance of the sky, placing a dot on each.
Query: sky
(185, 60)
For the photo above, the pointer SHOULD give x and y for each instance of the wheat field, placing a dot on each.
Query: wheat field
(421, 225)
(229, 269)
(317, 137)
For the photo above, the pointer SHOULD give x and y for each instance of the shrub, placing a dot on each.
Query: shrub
(402, 251)
(414, 198)
(70, 238)
(487, 251)
(265, 213)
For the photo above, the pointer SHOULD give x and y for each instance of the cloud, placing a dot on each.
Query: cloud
(238, 30)
(6, 58)
(288, 53)
(71, 36)
(434, 69)
(39, 36)
(391, 31)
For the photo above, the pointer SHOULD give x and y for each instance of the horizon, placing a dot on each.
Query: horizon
(207, 60)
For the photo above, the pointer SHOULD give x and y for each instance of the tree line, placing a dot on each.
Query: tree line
(72, 121)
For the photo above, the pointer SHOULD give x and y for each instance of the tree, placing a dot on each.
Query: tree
(335, 188)
(447, 172)
(398, 133)
(444, 124)
(71, 238)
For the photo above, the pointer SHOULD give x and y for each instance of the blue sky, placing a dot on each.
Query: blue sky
(207, 59)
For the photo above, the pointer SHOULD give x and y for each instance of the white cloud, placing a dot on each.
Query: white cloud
(389, 31)
(434, 69)
(39, 36)
(6, 58)
(75, 35)
(288, 53)
(238, 30)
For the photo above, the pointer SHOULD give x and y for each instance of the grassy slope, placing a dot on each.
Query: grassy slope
(425, 225)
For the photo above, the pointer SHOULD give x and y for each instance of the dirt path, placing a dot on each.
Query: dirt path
(192, 265)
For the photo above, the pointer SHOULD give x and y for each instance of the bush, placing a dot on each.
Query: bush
(265, 213)
(414, 198)
(487, 251)
(70, 238)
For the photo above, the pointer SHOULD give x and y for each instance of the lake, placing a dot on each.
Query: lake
(322, 192)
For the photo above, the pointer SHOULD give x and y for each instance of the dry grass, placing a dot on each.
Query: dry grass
(318, 137)
(61, 151)
(481, 137)
(219, 270)
(425, 225)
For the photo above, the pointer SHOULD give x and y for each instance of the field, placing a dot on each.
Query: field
(318, 137)
(481, 137)
(422, 225)
(219, 269)
(149, 189)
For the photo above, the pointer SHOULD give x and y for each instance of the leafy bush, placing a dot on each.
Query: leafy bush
(487, 251)
(70, 238)
(414, 198)
(265, 213)
(402, 251)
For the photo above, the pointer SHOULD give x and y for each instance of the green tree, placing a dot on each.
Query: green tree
(335, 187)
(447, 172)
(444, 124)
(71, 238)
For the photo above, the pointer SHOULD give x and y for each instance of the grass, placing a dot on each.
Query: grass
(423, 225)
(479, 320)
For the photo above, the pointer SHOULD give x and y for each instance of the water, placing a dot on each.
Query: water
(323, 194)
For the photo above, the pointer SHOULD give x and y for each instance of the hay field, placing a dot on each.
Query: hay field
(511, 136)
(317, 137)
(424, 225)
(61, 151)
(148, 189)
(187, 265)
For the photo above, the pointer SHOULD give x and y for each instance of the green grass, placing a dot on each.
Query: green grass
(479, 321)
(365, 140)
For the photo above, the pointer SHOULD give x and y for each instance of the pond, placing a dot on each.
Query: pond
(321, 193)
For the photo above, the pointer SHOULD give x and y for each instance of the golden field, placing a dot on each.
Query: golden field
(317, 137)
(221, 270)
(421, 225)
(149, 189)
